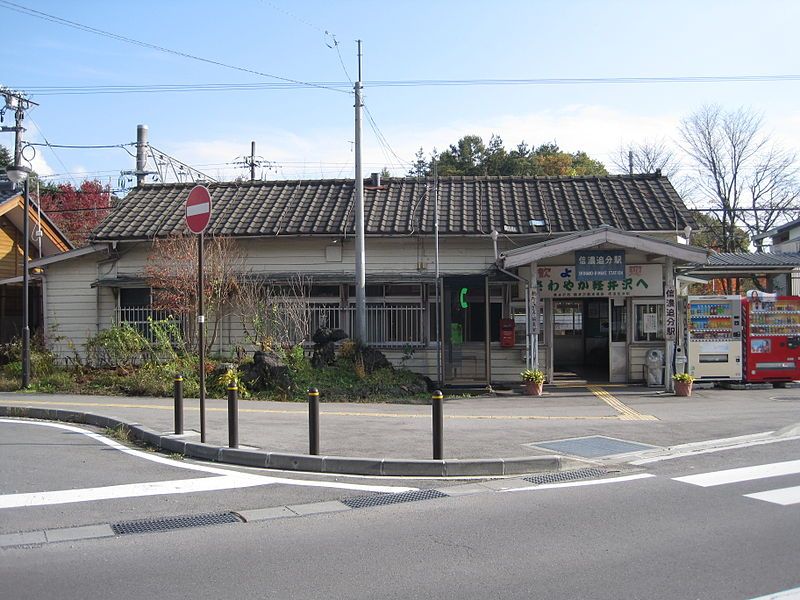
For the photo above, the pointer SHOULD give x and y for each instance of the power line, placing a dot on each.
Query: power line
(344, 86)
(81, 27)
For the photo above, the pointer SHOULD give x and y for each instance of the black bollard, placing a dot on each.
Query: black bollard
(437, 404)
(313, 421)
(178, 395)
(233, 416)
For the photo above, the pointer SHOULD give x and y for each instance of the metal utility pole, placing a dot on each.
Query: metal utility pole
(439, 347)
(19, 174)
(361, 298)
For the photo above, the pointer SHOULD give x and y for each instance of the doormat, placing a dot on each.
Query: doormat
(593, 446)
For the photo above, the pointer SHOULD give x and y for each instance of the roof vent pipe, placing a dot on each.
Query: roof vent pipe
(376, 179)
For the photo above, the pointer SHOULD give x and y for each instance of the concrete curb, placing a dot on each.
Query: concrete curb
(304, 462)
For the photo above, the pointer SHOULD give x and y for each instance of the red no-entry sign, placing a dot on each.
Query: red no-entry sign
(198, 209)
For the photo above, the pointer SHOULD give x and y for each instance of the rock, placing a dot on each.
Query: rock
(322, 335)
(337, 335)
(323, 355)
(373, 359)
(267, 371)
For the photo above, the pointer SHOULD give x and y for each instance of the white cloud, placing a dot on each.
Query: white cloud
(595, 129)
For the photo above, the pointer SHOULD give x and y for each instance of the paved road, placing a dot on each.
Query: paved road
(655, 534)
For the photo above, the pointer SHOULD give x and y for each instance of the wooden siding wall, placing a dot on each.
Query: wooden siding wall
(71, 305)
(10, 250)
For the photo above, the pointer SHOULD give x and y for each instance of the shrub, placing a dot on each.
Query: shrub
(117, 346)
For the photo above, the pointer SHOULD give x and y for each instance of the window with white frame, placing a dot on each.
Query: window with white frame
(648, 321)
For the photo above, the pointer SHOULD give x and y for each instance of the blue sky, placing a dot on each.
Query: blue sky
(308, 132)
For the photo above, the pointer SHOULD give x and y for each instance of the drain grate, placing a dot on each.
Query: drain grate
(168, 523)
(381, 499)
(565, 476)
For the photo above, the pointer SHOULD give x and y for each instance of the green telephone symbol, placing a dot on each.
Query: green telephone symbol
(462, 297)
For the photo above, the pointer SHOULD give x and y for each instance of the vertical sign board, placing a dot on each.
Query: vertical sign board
(599, 265)
(670, 313)
(198, 214)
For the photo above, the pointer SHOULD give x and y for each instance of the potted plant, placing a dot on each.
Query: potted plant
(533, 380)
(683, 384)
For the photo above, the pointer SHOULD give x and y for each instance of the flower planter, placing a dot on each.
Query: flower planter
(683, 388)
(533, 388)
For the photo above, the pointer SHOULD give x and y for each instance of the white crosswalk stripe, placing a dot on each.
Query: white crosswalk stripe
(783, 496)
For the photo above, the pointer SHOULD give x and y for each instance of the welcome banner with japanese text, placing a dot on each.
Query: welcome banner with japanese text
(561, 282)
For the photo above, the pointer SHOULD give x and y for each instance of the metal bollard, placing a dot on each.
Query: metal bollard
(233, 416)
(178, 395)
(313, 421)
(437, 404)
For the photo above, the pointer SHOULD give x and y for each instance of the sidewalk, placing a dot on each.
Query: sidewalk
(484, 427)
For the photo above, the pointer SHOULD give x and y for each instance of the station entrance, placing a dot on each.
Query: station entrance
(589, 339)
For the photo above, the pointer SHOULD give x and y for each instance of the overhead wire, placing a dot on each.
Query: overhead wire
(345, 86)
(100, 32)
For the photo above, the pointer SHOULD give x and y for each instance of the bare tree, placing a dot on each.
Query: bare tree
(647, 156)
(171, 271)
(274, 316)
(744, 178)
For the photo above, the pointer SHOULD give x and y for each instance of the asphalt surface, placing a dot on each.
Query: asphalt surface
(477, 427)
(645, 535)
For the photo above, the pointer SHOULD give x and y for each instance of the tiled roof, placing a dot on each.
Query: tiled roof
(404, 206)
(754, 259)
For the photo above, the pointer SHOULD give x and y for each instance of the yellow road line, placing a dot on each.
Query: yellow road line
(626, 413)
(303, 412)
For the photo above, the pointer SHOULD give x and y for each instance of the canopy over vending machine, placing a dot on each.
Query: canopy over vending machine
(772, 338)
(714, 337)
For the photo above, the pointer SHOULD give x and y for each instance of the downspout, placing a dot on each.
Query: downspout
(528, 354)
(45, 320)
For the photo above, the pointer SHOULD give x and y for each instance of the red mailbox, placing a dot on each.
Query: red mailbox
(507, 333)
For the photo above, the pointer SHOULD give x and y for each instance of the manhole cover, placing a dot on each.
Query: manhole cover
(592, 446)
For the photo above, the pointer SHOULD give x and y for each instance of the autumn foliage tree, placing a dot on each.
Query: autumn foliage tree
(171, 271)
(76, 211)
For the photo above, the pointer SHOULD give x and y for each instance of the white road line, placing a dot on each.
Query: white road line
(131, 490)
(696, 448)
(742, 474)
(226, 479)
(117, 446)
(550, 486)
(783, 496)
(793, 594)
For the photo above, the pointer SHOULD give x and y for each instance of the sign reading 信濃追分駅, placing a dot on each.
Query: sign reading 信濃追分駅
(600, 265)
(561, 282)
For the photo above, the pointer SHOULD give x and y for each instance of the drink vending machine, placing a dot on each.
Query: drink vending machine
(714, 337)
(772, 338)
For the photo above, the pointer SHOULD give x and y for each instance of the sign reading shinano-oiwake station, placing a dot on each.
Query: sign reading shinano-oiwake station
(599, 265)
(561, 282)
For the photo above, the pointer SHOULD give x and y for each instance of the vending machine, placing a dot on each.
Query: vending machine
(714, 337)
(772, 338)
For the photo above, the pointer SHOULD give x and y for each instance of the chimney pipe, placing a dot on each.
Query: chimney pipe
(141, 154)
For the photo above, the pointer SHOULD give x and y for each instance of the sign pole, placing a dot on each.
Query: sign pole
(201, 325)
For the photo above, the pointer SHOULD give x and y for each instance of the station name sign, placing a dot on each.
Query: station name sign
(637, 280)
(599, 265)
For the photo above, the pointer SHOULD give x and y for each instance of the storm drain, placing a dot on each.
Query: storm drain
(573, 475)
(381, 499)
(168, 523)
